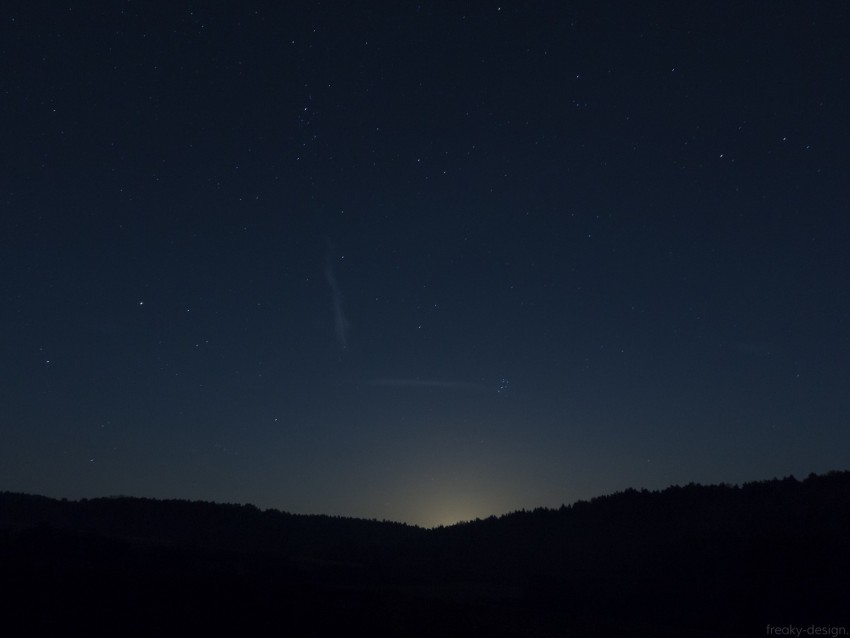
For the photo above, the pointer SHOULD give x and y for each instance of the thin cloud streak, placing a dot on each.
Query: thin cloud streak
(341, 325)
(426, 383)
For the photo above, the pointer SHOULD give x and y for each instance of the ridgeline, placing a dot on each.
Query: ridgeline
(696, 560)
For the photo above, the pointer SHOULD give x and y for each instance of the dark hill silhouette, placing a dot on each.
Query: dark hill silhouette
(695, 560)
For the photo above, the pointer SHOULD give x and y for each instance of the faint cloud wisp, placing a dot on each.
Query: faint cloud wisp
(341, 325)
(426, 383)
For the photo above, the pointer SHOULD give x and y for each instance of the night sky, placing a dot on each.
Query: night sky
(421, 261)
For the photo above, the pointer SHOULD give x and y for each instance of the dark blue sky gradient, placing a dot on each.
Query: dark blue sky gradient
(421, 262)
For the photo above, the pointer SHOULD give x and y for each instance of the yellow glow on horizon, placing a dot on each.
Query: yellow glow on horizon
(448, 509)
(433, 490)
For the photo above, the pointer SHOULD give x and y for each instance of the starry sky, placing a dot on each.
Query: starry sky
(421, 261)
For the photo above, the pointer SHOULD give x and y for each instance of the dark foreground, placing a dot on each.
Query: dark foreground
(688, 561)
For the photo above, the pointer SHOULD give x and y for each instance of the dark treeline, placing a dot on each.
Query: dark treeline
(693, 560)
